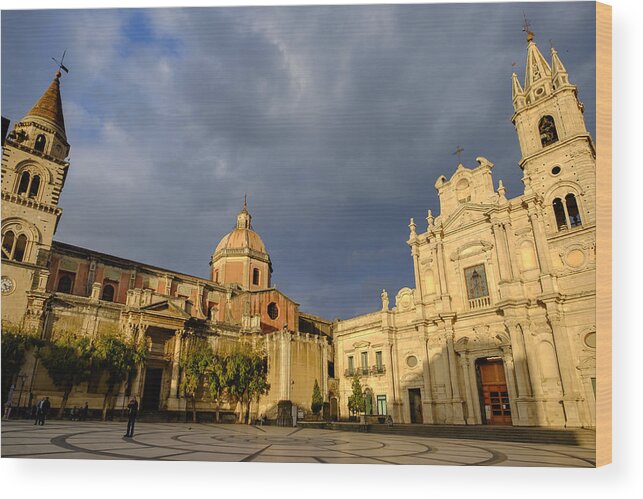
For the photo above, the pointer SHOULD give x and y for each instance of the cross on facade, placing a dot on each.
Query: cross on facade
(60, 62)
(458, 152)
(526, 27)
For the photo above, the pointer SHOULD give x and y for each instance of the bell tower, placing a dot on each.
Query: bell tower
(34, 168)
(558, 155)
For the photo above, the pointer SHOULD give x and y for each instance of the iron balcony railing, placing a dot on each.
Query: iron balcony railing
(365, 371)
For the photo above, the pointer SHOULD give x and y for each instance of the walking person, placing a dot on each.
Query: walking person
(44, 410)
(132, 411)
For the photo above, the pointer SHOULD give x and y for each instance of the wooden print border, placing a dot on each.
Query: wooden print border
(604, 234)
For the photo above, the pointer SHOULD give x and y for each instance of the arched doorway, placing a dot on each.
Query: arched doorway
(494, 396)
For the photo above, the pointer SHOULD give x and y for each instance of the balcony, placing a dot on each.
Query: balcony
(482, 302)
(376, 370)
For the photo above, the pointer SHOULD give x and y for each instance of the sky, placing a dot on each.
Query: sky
(336, 121)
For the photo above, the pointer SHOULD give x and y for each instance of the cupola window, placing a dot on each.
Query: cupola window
(255, 277)
(273, 311)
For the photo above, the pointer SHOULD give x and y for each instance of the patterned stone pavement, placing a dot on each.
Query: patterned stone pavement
(203, 442)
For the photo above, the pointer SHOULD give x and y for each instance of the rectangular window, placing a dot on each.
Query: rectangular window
(351, 366)
(378, 359)
(476, 278)
(381, 405)
(255, 277)
(364, 356)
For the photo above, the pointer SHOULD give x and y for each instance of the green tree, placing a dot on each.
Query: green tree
(196, 363)
(68, 361)
(16, 342)
(356, 402)
(318, 400)
(119, 358)
(246, 378)
(216, 379)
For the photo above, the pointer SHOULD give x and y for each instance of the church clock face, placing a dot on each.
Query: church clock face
(7, 285)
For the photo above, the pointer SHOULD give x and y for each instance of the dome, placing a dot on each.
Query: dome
(240, 239)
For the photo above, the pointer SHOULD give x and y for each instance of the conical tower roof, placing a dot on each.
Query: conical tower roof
(50, 107)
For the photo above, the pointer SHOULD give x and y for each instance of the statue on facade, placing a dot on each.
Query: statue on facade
(384, 300)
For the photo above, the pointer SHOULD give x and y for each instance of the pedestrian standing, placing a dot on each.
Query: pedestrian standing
(39, 411)
(132, 411)
(9, 404)
(84, 412)
(46, 405)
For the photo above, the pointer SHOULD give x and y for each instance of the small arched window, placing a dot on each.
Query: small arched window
(255, 277)
(20, 248)
(547, 131)
(34, 187)
(41, 142)
(559, 212)
(7, 244)
(23, 187)
(65, 284)
(572, 210)
(108, 292)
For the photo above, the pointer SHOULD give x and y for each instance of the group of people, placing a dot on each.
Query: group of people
(42, 410)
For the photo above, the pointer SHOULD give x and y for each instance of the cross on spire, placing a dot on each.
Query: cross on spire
(60, 63)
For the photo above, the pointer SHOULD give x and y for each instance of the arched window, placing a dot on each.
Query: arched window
(7, 244)
(65, 284)
(108, 292)
(41, 141)
(547, 131)
(255, 277)
(572, 210)
(35, 185)
(559, 212)
(21, 246)
(23, 187)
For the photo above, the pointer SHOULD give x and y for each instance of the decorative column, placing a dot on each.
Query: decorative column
(428, 391)
(508, 362)
(539, 237)
(176, 360)
(571, 391)
(520, 358)
(501, 250)
(458, 413)
(470, 393)
(284, 367)
(324, 367)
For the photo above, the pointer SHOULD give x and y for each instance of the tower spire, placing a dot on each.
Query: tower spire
(559, 73)
(49, 108)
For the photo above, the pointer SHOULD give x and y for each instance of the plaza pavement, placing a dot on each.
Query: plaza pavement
(243, 443)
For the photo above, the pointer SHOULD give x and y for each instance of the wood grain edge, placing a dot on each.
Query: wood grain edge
(603, 234)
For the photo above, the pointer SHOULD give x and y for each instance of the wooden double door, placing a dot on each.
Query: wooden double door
(493, 392)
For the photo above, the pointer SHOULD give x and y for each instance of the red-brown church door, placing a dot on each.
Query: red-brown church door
(495, 396)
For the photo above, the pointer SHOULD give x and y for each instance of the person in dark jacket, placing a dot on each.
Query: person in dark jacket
(44, 410)
(84, 412)
(132, 412)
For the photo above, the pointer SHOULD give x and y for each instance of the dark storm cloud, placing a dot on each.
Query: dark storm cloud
(335, 120)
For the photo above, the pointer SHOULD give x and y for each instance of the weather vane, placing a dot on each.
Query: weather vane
(458, 152)
(60, 62)
(526, 27)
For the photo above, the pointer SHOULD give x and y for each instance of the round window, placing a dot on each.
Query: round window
(411, 361)
(273, 311)
(555, 170)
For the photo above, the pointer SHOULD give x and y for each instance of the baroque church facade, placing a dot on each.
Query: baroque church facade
(498, 328)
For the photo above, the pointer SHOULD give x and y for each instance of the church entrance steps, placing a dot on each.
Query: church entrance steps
(536, 435)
